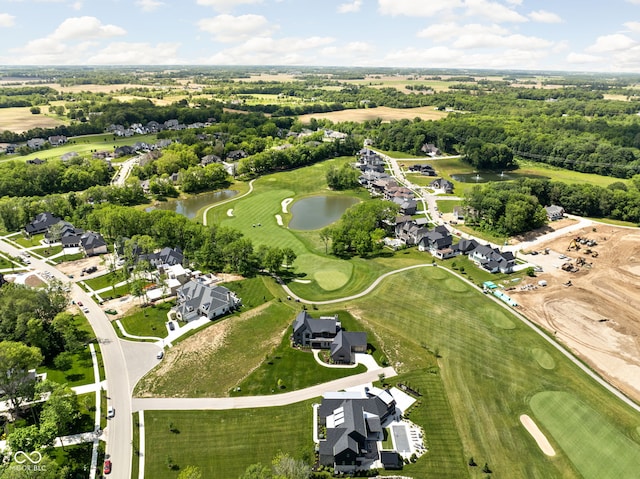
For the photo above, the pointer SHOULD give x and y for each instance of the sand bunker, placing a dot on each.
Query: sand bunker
(285, 204)
(230, 212)
(279, 220)
(536, 433)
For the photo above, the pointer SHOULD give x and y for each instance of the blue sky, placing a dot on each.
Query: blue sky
(576, 35)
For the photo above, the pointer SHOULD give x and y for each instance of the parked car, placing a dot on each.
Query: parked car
(110, 311)
(172, 326)
(107, 467)
(110, 412)
(160, 355)
(85, 310)
(79, 303)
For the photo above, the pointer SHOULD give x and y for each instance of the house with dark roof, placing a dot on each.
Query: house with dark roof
(327, 333)
(492, 260)
(442, 184)
(438, 242)
(554, 212)
(196, 300)
(354, 426)
(41, 223)
(430, 149)
(408, 206)
(65, 233)
(93, 244)
(236, 155)
(409, 231)
(57, 140)
(164, 258)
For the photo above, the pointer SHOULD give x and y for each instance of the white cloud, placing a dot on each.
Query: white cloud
(227, 28)
(85, 27)
(76, 6)
(611, 43)
(149, 5)
(633, 26)
(6, 20)
(270, 51)
(448, 31)
(496, 12)
(580, 58)
(491, 40)
(515, 2)
(351, 7)
(635, 2)
(413, 8)
(226, 5)
(124, 53)
(543, 16)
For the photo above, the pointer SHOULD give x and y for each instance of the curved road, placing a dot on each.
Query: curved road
(124, 363)
(204, 213)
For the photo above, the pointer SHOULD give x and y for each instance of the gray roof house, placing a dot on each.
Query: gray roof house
(196, 300)
(408, 206)
(41, 223)
(554, 212)
(442, 184)
(327, 333)
(93, 244)
(354, 425)
(438, 242)
(163, 258)
(65, 233)
(492, 260)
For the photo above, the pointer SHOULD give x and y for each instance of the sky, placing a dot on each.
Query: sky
(560, 35)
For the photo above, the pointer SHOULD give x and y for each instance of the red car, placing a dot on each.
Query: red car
(79, 303)
(107, 466)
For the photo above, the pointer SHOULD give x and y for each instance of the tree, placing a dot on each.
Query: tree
(47, 469)
(287, 467)
(35, 110)
(257, 471)
(59, 412)
(289, 256)
(190, 472)
(16, 383)
(25, 438)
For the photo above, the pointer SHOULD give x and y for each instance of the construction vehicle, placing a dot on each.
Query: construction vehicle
(570, 268)
(574, 244)
(568, 283)
(546, 251)
(594, 254)
(580, 261)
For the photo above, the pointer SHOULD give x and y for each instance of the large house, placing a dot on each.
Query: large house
(41, 223)
(196, 300)
(492, 260)
(554, 212)
(164, 258)
(442, 184)
(93, 244)
(438, 242)
(327, 333)
(354, 424)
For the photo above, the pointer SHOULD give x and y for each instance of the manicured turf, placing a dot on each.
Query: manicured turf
(104, 280)
(30, 241)
(447, 206)
(223, 443)
(252, 291)
(566, 176)
(597, 447)
(48, 250)
(543, 358)
(149, 321)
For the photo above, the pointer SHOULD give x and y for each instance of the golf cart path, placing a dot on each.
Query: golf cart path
(215, 205)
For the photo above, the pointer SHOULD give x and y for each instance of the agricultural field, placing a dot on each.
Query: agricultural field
(20, 119)
(382, 112)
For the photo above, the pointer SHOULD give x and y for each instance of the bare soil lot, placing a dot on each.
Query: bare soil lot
(597, 317)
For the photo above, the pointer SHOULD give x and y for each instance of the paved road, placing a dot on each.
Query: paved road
(171, 404)
(119, 383)
(125, 169)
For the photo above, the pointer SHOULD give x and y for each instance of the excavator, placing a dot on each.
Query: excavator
(574, 244)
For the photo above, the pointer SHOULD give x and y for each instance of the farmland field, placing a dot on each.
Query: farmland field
(383, 112)
(19, 119)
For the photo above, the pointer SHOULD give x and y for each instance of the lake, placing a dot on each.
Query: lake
(189, 207)
(319, 211)
(487, 176)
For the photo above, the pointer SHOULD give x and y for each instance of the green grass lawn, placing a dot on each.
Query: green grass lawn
(447, 206)
(149, 321)
(28, 242)
(68, 257)
(118, 293)
(77, 458)
(566, 176)
(135, 458)
(297, 369)
(84, 145)
(48, 250)
(81, 371)
(223, 443)
(598, 448)
(104, 280)
(252, 291)
(5, 263)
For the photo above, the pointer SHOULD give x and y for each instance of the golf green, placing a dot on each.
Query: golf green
(543, 358)
(593, 444)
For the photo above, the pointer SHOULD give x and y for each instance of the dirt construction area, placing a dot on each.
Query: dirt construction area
(591, 300)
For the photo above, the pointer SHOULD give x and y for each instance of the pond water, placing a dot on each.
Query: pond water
(189, 207)
(487, 176)
(318, 211)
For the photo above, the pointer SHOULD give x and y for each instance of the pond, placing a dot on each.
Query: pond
(189, 207)
(487, 176)
(319, 211)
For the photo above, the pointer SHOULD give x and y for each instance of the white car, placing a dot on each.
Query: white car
(160, 355)
(85, 310)
(111, 412)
